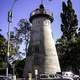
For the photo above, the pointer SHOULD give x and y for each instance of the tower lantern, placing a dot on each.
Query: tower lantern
(41, 12)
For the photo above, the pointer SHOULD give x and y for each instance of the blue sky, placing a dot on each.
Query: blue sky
(23, 8)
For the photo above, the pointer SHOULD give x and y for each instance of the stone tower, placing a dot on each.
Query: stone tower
(42, 53)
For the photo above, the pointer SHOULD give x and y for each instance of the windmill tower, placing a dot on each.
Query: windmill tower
(42, 55)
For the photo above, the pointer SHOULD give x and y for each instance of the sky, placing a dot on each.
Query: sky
(23, 8)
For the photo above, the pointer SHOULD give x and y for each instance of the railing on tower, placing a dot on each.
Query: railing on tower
(38, 11)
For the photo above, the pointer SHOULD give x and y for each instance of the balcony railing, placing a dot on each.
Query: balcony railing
(41, 11)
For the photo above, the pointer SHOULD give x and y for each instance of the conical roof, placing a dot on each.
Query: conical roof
(41, 12)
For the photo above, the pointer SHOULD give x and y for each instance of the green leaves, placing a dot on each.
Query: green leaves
(69, 20)
(68, 46)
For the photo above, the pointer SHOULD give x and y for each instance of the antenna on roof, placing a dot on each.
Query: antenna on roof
(41, 1)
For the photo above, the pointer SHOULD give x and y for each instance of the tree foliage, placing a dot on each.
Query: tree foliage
(23, 32)
(68, 46)
(19, 68)
(2, 47)
(22, 35)
(3, 51)
(69, 21)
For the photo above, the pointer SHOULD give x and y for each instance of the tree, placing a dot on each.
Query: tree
(22, 35)
(69, 21)
(68, 46)
(19, 67)
(2, 49)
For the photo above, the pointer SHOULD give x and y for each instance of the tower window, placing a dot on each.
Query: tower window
(36, 49)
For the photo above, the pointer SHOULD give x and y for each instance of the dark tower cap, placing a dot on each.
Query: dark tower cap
(41, 12)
